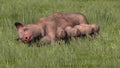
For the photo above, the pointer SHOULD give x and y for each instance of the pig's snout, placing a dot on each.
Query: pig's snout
(27, 39)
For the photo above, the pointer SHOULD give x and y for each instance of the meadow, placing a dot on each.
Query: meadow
(102, 52)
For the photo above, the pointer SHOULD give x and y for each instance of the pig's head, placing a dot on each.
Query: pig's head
(95, 28)
(26, 32)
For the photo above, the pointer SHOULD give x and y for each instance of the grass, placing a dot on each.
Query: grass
(102, 52)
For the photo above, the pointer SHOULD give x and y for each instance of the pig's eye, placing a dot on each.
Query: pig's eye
(25, 29)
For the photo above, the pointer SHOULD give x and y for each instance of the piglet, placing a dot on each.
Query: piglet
(84, 29)
(72, 32)
(96, 28)
(60, 33)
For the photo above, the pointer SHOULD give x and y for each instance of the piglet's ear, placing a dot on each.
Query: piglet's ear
(18, 25)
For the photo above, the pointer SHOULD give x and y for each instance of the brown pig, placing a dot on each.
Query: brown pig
(60, 33)
(68, 31)
(84, 29)
(95, 28)
(46, 27)
(75, 32)
(72, 32)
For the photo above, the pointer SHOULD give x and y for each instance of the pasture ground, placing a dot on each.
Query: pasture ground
(102, 52)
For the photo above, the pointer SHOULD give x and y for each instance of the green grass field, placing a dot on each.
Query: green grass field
(102, 52)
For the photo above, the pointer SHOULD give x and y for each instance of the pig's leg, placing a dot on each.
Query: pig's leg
(46, 40)
(51, 31)
(50, 34)
(43, 41)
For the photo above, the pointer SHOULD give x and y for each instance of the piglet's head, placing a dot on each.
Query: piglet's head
(24, 32)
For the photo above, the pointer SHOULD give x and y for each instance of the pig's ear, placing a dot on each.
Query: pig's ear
(18, 25)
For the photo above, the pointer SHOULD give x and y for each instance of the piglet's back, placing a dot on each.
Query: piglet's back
(84, 29)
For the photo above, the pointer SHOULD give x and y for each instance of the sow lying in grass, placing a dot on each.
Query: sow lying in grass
(49, 27)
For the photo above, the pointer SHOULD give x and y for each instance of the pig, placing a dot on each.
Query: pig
(75, 32)
(60, 33)
(84, 29)
(46, 27)
(72, 32)
(96, 28)
(68, 31)
(88, 29)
